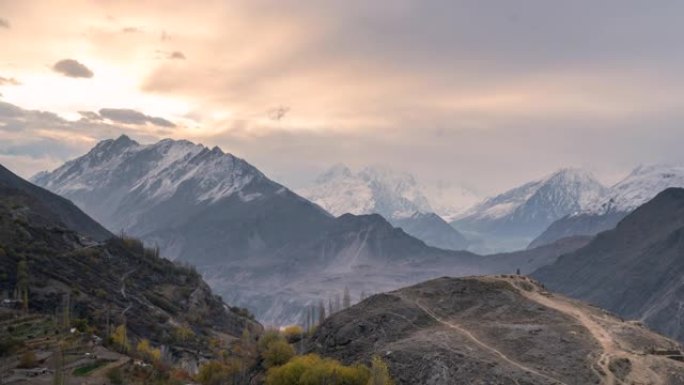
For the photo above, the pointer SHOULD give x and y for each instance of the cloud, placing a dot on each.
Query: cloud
(34, 140)
(130, 30)
(128, 116)
(4, 23)
(9, 81)
(177, 55)
(89, 115)
(72, 68)
(278, 113)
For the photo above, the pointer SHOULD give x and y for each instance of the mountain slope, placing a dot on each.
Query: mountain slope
(57, 209)
(494, 330)
(635, 269)
(115, 281)
(640, 186)
(520, 214)
(394, 195)
(433, 230)
(362, 253)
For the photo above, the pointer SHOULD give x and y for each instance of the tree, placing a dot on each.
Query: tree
(517, 272)
(147, 351)
(338, 303)
(23, 284)
(120, 338)
(379, 373)
(330, 306)
(215, 373)
(58, 378)
(346, 299)
(321, 312)
(362, 296)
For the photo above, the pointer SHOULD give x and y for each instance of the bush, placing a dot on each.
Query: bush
(28, 360)
(216, 373)
(115, 376)
(293, 333)
(313, 370)
(278, 353)
(267, 338)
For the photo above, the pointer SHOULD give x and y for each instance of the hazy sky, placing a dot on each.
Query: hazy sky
(487, 94)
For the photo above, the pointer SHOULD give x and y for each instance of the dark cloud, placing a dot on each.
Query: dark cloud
(72, 69)
(278, 113)
(9, 81)
(128, 116)
(4, 23)
(177, 55)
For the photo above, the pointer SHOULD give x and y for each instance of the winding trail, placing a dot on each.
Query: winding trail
(480, 343)
(639, 373)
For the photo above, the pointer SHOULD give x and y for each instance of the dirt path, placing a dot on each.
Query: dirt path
(639, 374)
(482, 344)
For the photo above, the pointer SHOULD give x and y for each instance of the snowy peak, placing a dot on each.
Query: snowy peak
(564, 192)
(511, 220)
(640, 186)
(371, 190)
(153, 172)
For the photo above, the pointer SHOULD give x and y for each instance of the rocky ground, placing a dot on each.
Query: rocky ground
(496, 330)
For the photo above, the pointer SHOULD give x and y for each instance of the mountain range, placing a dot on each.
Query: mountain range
(509, 221)
(394, 195)
(641, 185)
(257, 243)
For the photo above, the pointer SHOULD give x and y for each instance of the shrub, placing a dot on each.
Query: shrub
(267, 338)
(28, 360)
(278, 353)
(115, 376)
(313, 370)
(293, 333)
(216, 373)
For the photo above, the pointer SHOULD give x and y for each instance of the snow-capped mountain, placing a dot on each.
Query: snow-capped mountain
(372, 190)
(604, 213)
(394, 195)
(510, 220)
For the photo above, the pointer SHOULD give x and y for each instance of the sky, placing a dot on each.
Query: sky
(482, 94)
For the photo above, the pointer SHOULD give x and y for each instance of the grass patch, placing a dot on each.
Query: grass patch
(86, 369)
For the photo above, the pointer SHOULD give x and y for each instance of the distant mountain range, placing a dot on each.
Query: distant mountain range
(635, 270)
(640, 186)
(394, 195)
(509, 221)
